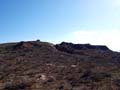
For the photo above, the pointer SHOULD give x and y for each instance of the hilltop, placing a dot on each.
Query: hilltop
(36, 65)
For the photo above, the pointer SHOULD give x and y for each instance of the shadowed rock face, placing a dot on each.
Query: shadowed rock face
(36, 65)
(72, 48)
(82, 46)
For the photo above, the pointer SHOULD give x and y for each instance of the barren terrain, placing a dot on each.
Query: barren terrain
(36, 65)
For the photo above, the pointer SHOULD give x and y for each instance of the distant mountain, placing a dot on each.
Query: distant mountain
(36, 65)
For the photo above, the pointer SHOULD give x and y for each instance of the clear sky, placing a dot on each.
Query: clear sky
(78, 21)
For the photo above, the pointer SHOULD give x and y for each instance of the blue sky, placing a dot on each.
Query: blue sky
(78, 21)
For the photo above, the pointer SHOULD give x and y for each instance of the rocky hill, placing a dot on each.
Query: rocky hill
(36, 65)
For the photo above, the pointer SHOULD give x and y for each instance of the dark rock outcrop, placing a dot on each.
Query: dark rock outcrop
(74, 48)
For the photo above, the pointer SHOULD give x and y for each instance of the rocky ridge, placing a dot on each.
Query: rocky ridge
(36, 65)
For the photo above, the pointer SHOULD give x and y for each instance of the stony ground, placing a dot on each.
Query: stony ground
(36, 65)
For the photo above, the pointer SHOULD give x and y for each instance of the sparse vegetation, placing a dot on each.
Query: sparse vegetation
(37, 65)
